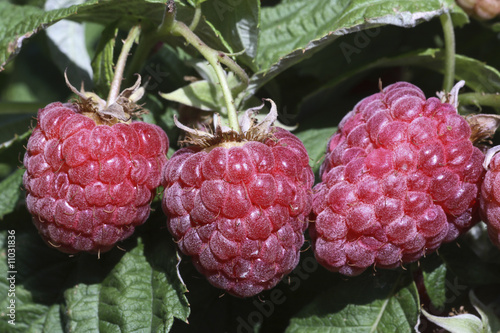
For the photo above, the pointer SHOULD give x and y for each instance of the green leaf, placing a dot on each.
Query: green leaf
(235, 23)
(203, 94)
(477, 75)
(103, 62)
(463, 323)
(10, 190)
(82, 307)
(310, 138)
(434, 272)
(16, 118)
(20, 22)
(50, 321)
(134, 296)
(387, 302)
(488, 317)
(67, 44)
(200, 94)
(293, 30)
(26, 316)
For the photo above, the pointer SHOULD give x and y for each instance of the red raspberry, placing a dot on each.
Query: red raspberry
(88, 184)
(239, 208)
(400, 177)
(490, 197)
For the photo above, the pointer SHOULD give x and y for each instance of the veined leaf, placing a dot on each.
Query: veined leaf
(363, 304)
(200, 94)
(236, 24)
(134, 296)
(102, 64)
(294, 30)
(477, 75)
(10, 190)
(26, 316)
(434, 272)
(20, 22)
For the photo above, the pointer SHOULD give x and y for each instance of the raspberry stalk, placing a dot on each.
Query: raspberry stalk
(215, 58)
(114, 91)
(449, 40)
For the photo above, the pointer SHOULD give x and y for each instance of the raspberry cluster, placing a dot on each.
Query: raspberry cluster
(239, 209)
(400, 177)
(89, 185)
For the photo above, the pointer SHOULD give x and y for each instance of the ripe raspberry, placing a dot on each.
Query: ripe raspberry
(482, 9)
(490, 196)
(400, 177)
(238, 206)
(89, 182)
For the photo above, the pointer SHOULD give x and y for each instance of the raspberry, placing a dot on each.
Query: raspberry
(400, 177)
(482, 9)
(238, 206)
(89, 182)
(490, 197)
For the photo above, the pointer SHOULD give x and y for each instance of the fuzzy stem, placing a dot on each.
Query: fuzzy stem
(478, 98)
(120, 64)
(168, 16)
(196, 18)
(214, 59)
(449, 41)
(232, 65)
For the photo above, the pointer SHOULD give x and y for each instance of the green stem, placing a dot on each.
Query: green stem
(476, 98)
(168, 17)
(214, 58)
(449, 41)
(150, 38)
(114, 91)
(232, 65)
(196, 18)
(146, 44)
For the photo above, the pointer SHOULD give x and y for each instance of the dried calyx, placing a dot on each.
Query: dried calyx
(118, 110)
(222, 135)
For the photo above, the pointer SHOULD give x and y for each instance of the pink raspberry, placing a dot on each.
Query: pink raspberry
(239, 208)
(400, 177)
(490, 198)
(89, 185)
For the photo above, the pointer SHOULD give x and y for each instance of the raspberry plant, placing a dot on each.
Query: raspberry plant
(204, 63)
